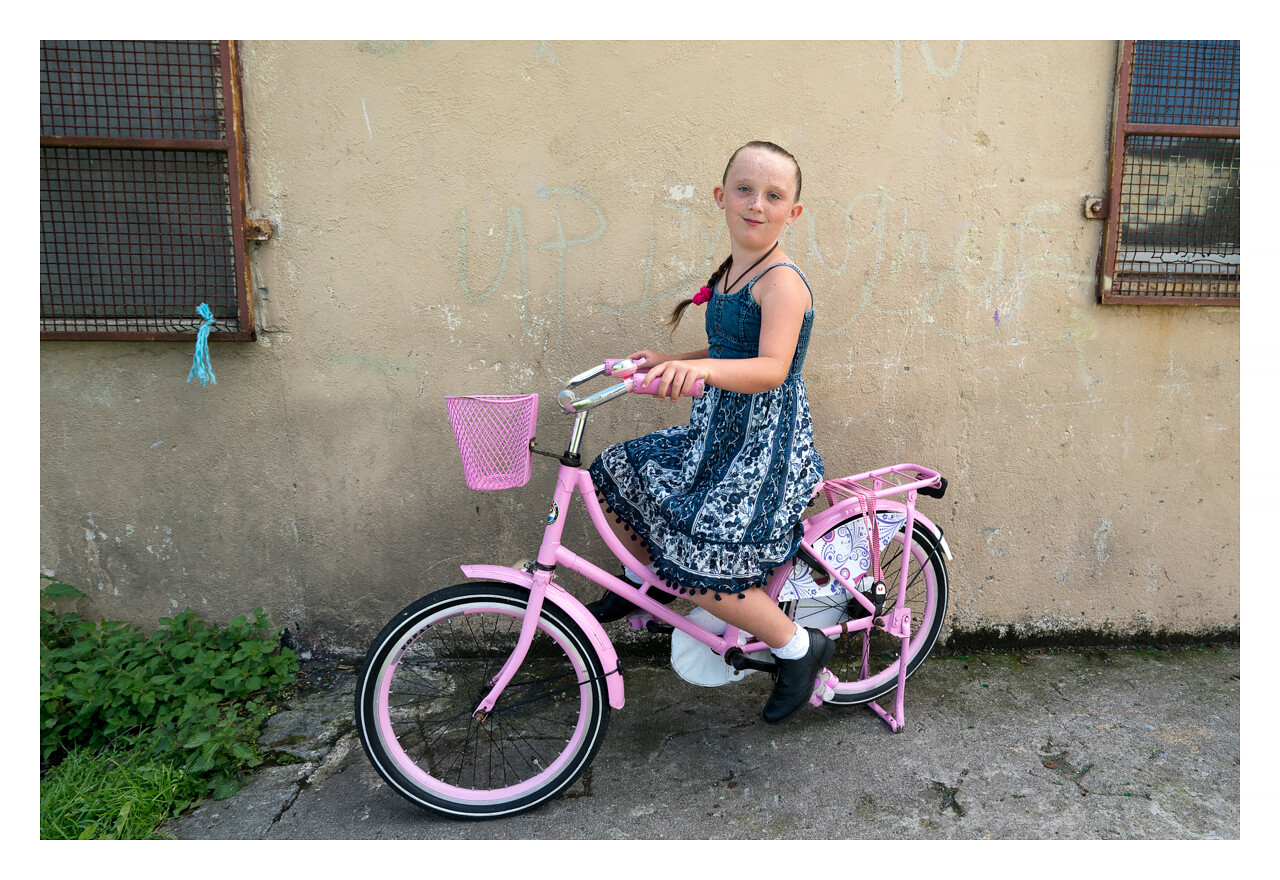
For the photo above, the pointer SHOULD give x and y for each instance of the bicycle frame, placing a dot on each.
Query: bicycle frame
(861, 493)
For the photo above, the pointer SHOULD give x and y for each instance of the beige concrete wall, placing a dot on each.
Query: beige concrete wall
(493, 218)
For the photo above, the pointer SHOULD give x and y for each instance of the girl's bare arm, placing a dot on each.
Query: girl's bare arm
(783, 302)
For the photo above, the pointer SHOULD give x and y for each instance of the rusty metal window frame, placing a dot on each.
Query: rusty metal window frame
(142, 191)
(1173, 204)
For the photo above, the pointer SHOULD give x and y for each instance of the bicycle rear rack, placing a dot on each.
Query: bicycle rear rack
(885, 483)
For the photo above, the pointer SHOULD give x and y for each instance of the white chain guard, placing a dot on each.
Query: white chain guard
(698, 664)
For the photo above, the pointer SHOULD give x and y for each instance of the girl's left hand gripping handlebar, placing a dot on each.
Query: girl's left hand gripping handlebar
(636, 382)
(640, 384)
(633, 379)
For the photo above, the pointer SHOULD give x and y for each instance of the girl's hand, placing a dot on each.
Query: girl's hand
(651, 358)
(678, 377)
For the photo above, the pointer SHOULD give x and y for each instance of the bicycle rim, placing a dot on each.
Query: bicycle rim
(926, 596)
(429, 669)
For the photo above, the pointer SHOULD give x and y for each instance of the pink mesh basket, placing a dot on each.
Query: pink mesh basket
(493, 433)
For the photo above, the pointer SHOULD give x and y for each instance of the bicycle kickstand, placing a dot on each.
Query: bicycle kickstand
(899, 625)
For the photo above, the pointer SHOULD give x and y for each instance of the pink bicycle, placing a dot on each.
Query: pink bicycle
(491, 697)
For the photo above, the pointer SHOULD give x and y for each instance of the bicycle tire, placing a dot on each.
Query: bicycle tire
(926, 596)
(429, 668)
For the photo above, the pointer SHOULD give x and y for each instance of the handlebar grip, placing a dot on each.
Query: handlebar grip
(639, 384)
(622, 368)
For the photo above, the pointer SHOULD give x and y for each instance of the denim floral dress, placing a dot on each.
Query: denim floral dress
(718, 501)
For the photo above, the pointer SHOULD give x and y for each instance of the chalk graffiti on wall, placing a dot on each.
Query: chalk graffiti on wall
(926, 53)
(388, 48)
(989, 264)
(863, 253)
(876, 263)
(559, 245)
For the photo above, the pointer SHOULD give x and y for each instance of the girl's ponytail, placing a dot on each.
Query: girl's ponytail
(678, 311)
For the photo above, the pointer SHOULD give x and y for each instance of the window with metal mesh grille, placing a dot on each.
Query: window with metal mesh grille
(141, 190)
(1173, 210)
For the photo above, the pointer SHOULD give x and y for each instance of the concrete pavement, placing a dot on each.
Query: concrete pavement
(1083, 744)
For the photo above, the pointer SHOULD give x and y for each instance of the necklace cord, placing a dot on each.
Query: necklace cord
(749, 268)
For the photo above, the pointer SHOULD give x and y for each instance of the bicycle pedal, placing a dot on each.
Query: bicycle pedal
(824, 687)
(640, 621)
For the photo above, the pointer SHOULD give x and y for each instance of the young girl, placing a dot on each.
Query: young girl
(715, 505)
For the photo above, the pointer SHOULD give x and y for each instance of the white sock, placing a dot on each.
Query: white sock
(796, 648)
(635, 578)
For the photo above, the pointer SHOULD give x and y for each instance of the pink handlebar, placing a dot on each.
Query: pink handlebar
(621, 368)
(639, 384)
(629, 371)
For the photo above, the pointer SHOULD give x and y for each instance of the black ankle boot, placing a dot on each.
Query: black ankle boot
(611, 606)
(794, 685)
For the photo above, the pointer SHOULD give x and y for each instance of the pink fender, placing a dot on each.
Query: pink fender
(565, 601)
(820, 523)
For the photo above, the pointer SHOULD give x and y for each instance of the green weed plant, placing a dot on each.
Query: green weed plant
(117, 795)
(188, 700)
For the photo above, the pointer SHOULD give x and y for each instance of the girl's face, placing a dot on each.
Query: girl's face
(758, 198)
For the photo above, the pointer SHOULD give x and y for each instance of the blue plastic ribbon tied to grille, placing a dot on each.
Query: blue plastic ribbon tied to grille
(201, 368)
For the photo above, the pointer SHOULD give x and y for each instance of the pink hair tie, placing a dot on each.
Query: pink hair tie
(703, 294)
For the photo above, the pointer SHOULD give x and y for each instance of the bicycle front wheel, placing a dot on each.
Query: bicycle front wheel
(867, 663)
(431, 666)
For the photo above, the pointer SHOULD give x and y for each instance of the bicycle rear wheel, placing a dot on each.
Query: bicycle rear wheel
(926, 596)
(429, 668)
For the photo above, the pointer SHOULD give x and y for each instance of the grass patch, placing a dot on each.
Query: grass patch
(125, 795)
(140, 726)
